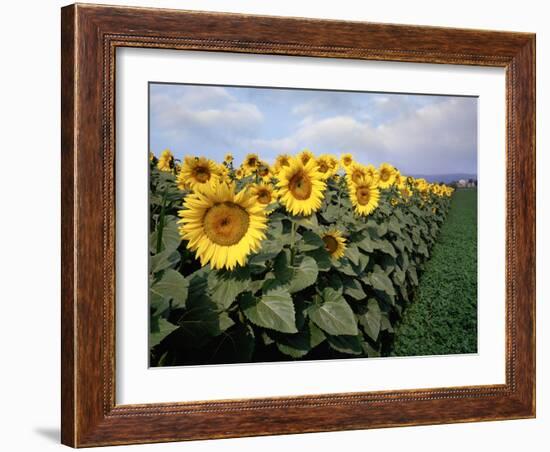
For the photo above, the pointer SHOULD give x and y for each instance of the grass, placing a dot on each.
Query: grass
(442, 318)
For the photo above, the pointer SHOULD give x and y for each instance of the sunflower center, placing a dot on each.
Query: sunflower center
(331, 244)
(385, 175)
(347, 161)
(252, 161)
(363, 195)
(226, 223)
(263, 171)
(300, 186)
(201, 174)
(264, 196)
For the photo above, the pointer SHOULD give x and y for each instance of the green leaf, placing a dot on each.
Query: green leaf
(346, 344)
(159, 330)
(274, 310)
(282, 269)
(164, 260)
(353, 288)
(352, 253)
(307, 222)
(172, 286)
(170, 239)
(322, 258)
(224, 285)
(305, 275)
(380, 281)
(310, 241)
(371, 319)
(334, 315)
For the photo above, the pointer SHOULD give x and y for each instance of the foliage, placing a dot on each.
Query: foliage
(443, 318)
(331, 284)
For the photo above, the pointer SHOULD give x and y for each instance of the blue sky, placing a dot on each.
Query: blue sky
(419, 134)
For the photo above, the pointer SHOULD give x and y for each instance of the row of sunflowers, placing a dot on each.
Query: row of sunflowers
(313, 257)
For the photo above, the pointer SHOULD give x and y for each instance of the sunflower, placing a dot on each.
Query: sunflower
(265, 193)
(335, 244)
(166, 161)
(325, 165)
(372, 173)
(400, 180)
(346, 160)
(421, 185)
(197, 172)
(239, 173)
(250, 163)
(228, 158)
(355, 172)
(364, 196)
(281, 161)
(387, 175)
(305, 156)
(301, 187)
(264, 171)
(405, 192)
(221, 226)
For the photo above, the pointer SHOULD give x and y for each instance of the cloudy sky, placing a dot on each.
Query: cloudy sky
(419, 134)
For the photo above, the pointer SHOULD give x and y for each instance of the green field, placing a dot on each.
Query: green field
(442, 318)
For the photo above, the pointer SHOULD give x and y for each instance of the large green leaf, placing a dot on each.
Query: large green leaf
(281, 267)
(333, 315)
(172, 286)
(380, 281)
(305, 275)
(170, 238)
(310, 241)
(353, 288)
(322, 258)
(159, 330)
(164, 260)
(224, 286)
(371, 319)
(352, 253)
(345, 344)
(274, 310)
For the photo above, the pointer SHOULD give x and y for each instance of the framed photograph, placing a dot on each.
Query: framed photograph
(282, 225)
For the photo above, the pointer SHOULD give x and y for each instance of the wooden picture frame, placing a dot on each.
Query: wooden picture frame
(90, 36)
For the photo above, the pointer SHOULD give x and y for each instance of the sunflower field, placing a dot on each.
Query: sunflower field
(313, 257)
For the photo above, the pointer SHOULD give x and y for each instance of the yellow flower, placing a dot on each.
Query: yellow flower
(264, 171)
(222, 227)
(346, 160)
(326, 165)
(405, 192)
(250, 163)
(265, 193)
(305, 156)
(281, 161)
(239, 173)
(301, 187)
(228, 158)
(166, 161)
(400, 180)
(335, 244)
(355, 172)
(421, 185)
(197, 172)
(387, 175)
(364, 196)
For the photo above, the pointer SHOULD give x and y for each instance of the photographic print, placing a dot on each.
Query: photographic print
(296, 224)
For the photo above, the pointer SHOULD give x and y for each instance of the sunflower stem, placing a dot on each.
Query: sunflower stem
(292, 243)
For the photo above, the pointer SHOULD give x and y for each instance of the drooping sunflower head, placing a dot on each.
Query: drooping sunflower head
(197, 172)
(387, 175)
(265, 193)
(250, 163)
(305, 156)
(281, 161)
(364, 196)
(301, 187)
(166, 161)
(228, 158)
(222, 227)
(346, 160)
(405, 192)
(335, 244)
